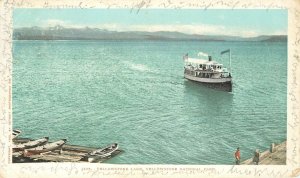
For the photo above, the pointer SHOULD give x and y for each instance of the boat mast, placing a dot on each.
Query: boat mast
(226, 51)
(230, 59)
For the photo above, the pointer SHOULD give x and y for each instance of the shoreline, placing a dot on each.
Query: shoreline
(67, 153)
(276, 155)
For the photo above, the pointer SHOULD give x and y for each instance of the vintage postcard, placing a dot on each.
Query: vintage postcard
(150, 89)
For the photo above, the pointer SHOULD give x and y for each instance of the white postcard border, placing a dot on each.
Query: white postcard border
(24, 170)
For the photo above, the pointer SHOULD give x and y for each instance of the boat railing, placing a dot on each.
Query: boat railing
(205, 71)
(206, 74)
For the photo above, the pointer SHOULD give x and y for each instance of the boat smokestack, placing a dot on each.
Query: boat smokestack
(209, 58)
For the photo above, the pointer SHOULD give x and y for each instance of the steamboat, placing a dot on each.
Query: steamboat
(208, 71)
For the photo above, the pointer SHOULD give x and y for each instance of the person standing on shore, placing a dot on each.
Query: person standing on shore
(237, 156)
(256, 157)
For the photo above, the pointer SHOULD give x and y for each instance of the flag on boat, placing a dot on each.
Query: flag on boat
(226, 51)
(202, 54)
(185, 56)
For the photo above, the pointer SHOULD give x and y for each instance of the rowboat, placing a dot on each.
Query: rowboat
(16, 133)
(30, 144)
(101, 153)
(45, 148)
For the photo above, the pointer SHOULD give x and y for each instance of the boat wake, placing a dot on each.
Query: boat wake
(138, 67)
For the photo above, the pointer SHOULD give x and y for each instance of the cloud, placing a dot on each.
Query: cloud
(54, 22)
(280, 33)
(200, 29)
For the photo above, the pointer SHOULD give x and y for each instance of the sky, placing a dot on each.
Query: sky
(246, 23)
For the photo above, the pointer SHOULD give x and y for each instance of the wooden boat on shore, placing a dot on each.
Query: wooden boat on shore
(16, 133)
(208, 72)
(45, 148)
(30, 144)
(101, 153)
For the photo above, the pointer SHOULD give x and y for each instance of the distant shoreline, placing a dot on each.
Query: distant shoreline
(62, 33)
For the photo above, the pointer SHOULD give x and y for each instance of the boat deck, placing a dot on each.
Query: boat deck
(70, 153)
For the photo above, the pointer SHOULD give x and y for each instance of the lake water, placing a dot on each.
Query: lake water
(133, 92)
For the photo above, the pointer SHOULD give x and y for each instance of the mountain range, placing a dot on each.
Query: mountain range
(63, 33)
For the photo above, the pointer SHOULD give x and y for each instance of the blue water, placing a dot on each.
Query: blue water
(133, 92)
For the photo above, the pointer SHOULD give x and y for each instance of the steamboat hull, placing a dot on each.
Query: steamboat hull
(223, 84)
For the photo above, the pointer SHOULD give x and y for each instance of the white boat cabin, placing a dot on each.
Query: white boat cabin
(203, 68)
